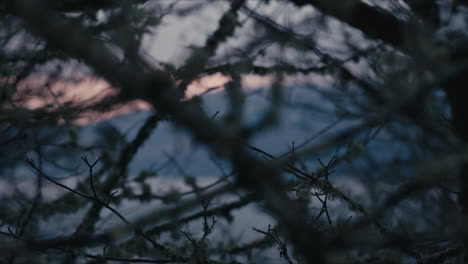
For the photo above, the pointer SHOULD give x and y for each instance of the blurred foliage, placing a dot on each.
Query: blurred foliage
(376, 174)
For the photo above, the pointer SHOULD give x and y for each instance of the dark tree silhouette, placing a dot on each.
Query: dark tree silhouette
(383, 181)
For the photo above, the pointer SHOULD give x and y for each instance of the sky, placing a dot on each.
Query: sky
(179, 30)
(170, 42)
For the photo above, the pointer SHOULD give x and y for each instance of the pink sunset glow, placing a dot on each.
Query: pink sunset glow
(37, 92)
